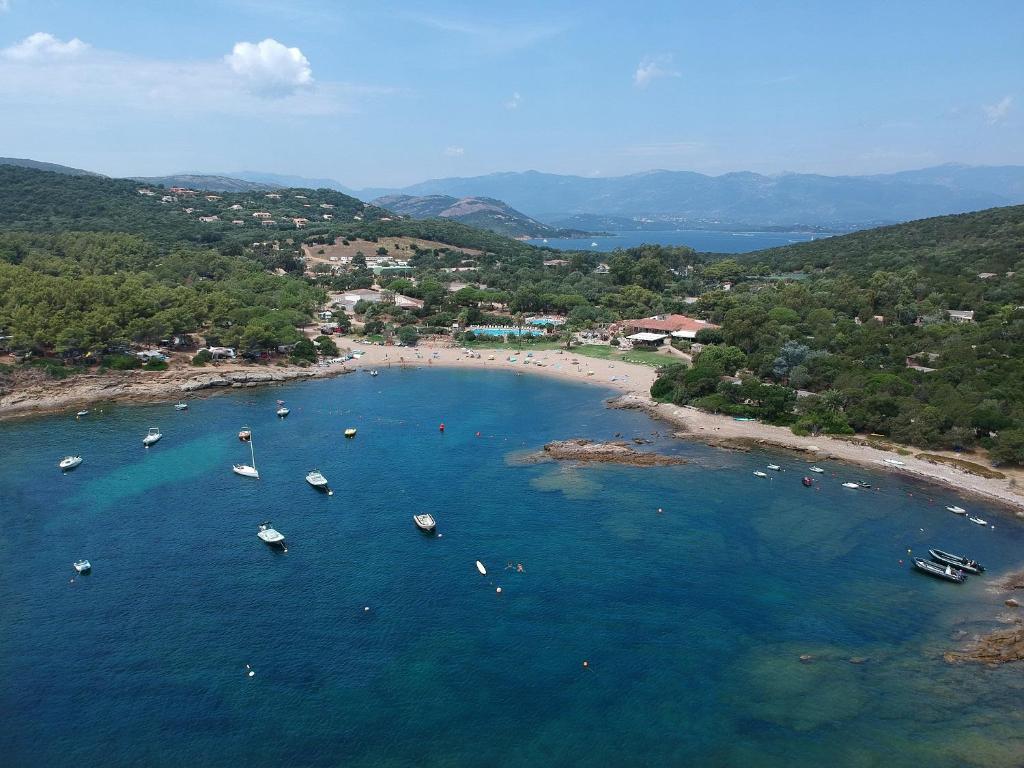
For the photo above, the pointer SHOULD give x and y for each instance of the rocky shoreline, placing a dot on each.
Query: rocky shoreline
(47, 396)
(617, 452)
(1000, 646)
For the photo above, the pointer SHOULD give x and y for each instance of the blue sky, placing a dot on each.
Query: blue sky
(388, 93)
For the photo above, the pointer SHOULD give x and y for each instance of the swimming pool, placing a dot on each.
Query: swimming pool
(504, 332)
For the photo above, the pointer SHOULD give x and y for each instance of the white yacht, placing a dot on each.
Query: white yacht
(759, 473)
(247, 470)
(819, 470)
(957, 510)
(316, 479)
(851, 485)
(425, 522)
(82, 566)
(283, 410)
(152, 437)
(774, 467)
(269, 535)
(69, 462)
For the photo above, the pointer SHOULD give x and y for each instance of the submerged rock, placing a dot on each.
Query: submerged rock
(607, 453)
(1013, 603)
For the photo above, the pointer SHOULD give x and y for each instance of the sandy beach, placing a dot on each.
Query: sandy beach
(632, 381)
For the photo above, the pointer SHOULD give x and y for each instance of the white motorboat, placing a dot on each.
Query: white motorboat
(80, 414)
(480, 567)
(283, 411)
(978, 521)
(350, 432)
(69, 462)
(851, 485)
(957, 510)
(316, 479)
(373, 372)
(774, 467)
(819, 470)
(247, 470)
(152, 437)
(424, 522)
(894, 462)
(82, 566)
(759, 473)
(181, 406)
(270, 536)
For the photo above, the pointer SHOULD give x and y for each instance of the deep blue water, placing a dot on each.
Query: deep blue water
(692, 620)
(698, 239)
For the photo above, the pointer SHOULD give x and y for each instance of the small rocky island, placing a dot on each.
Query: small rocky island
(617, 452)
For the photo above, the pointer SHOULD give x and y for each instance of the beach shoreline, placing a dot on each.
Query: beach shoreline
(630, 381)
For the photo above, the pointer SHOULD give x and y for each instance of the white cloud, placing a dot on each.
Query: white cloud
(74, 78)
(454, 151)
(996, 113)
(652, 68)
(43, 45)
(514, 102)
(269, 66)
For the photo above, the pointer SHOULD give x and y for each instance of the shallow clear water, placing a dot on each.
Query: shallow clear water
(699, 239)
(692, 620)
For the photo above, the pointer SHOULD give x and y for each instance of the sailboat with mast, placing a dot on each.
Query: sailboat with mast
(247, 470)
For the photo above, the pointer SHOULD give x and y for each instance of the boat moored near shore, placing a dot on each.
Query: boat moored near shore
(945, 572)
(153, 436)
(271, 536)
(956, 561)
(69, 462)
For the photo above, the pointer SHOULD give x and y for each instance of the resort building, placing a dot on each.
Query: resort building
(261, 215)
(677, 326)
(960, 316)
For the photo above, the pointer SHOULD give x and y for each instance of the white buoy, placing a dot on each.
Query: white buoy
(251, 673)
(366, 608)
(498, 590)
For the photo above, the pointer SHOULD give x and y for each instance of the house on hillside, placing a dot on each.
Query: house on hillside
(272, 196)
(647, 339)
(209, 218)
(183, 192)
(602, 269)
(960, 315)
(556, 262)
(213, 198)
(146, 192)
(300, 222)
(326, 205)
(268, 222)
(916, 362)
(677, 326)
(261, 215)
(235, 207)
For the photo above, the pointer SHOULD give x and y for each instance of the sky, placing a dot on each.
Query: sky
(388, 93)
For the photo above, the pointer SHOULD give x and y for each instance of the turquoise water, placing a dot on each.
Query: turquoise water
(692, 620)
(698, 239)
(504, 332)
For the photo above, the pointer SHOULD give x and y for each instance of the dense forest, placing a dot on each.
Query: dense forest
(845, 334)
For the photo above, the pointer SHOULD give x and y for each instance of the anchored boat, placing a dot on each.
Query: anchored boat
(425, 523)
(939, 571)
(82, 566)
(759, 473)
(181, 406)
(69, 462)
(956, 561)
(247, 470)
(270, 536)
(851, 485)
(807, 481)
(153, 436)
(316, 479)
(350, 432)
(774, 467)
(957, 510)
(817, 470)
(978, 521)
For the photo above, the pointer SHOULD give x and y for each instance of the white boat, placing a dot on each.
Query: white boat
(247, 470)
(774, 467)
(69, 462)
(851, 485)
(978, 521)
(283, 411)
(425, 523)
(373, 372)
(894, 462)
(82, 566)
(480, 567)
(181, 406)
(268, 534)
(819, 470)
(316, 479)
(350, 432)
(81, 413)
(153, 436)
(759, 473)
(957, 510)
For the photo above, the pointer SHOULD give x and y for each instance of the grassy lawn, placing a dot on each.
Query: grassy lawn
(641, 356)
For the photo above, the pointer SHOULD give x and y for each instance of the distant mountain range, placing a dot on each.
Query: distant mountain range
(682, 198)
(660, 199)
(482, 212)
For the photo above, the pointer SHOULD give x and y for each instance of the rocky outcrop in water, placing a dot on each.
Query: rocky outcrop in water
(239, 379)
(999, 647)
(617, 452)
